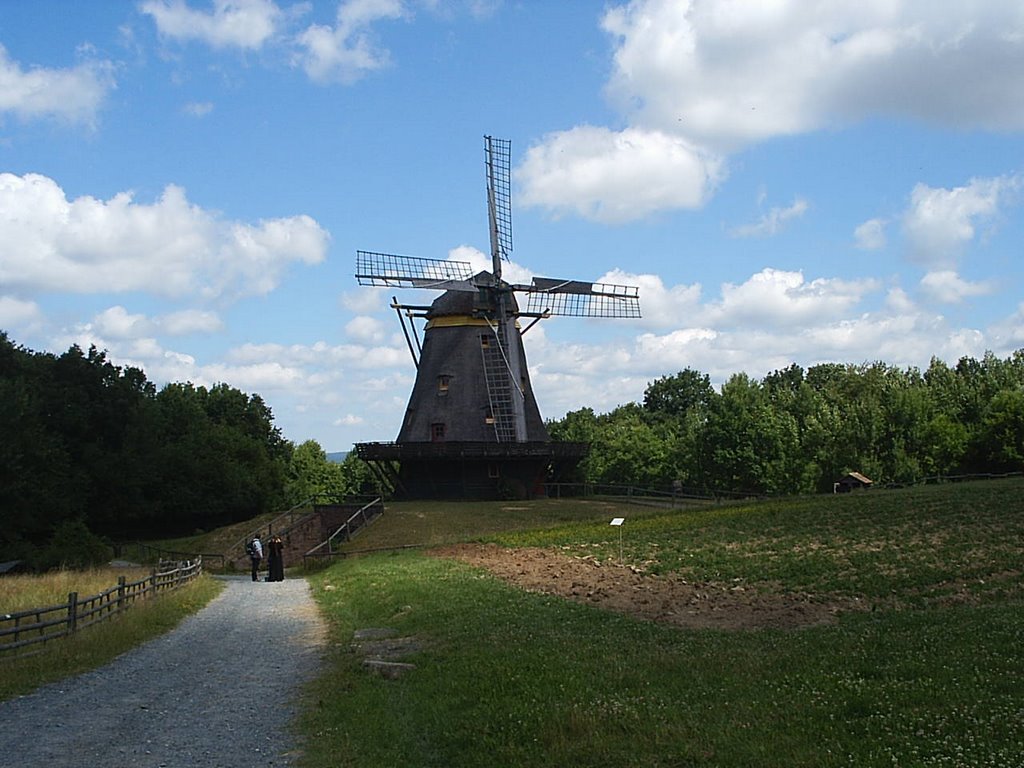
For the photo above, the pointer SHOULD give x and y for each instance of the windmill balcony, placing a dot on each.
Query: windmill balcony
(391, 451)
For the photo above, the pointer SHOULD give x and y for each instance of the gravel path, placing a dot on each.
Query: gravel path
(217, 691)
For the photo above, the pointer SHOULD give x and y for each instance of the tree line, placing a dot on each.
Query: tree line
(92, 452)
(799, 431)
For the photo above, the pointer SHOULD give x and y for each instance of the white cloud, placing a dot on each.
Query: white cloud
(779, 298)
(902, 336)
(727, 72)
(939, 222)
(616, 177)
(676, 348)
(170, 248)
(366, 329)
(870, 236)
(511, 271)
(696, 80)
(116, 323)
(321, 354)
(660, 306)
(772, 222)
(1007, 335)
(349, 420)
(245, 24)
(897, 301)
(190, 321)
(16, 312)
(364, 301)
(256, 377)
(74, 94)
(198, 108)
(347, 51)
(948, 287)
(907, 338)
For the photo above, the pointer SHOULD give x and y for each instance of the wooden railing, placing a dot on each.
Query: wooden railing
(39, 625)
(282, 522)
(361, 517)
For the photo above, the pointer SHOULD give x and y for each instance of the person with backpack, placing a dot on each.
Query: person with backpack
(255, 551)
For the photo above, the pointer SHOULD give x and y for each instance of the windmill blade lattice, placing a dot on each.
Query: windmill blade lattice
(393, 271)
(574, 298)
(498, 154)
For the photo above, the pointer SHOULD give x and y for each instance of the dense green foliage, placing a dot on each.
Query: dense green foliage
(94, 451)
(313, 477)
(799, 431)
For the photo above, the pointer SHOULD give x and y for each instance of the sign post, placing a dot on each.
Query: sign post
(617, 522)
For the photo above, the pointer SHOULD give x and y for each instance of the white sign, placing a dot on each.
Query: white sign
(618, 521)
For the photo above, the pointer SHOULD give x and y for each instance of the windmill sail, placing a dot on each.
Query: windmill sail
(393, 271)
(573, 298)
(504, 388)
(498, 154)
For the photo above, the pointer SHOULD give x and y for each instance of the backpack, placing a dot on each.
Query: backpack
(250, 548)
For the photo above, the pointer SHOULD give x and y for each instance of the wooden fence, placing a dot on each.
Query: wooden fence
(38, 625)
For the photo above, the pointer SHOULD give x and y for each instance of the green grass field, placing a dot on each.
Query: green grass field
(930, 673)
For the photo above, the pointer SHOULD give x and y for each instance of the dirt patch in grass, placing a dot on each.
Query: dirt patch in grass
(666, 599)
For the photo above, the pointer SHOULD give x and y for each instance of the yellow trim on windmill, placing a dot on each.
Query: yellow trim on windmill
(459, 321)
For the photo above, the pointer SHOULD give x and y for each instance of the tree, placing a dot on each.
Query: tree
(752, 446)
(576, 427)
(358, 478)
(1000, 442)
(679, 394)
(221, 460)
(944, 445)
(311, 475)
(628, 450)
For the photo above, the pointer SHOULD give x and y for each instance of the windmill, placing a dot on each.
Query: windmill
(472, 427)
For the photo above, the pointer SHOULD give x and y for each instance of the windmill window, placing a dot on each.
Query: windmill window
(437, 432)
(488, 416)
(493, 470)
(485, 341)
(443, 382)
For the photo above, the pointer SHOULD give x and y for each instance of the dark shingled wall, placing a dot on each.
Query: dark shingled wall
(455, 352)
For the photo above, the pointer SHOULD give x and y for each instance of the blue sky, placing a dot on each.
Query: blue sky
(184, 183)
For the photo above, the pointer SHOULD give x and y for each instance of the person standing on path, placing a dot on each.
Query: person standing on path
(275, 559)
(255, 550)
(204, 695)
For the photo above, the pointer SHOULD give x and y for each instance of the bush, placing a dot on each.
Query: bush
(73, 545)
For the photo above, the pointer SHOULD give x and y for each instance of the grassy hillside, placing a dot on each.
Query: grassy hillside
(221, 541)
(428, 523)
(928, 672)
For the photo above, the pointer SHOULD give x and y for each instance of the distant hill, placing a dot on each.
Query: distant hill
(337, 457)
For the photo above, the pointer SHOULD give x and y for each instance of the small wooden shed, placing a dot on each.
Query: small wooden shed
(851, 481)
(13, 566)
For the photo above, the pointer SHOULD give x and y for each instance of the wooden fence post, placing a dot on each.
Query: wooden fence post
(72, 611)
(152, 581)
(120, 593)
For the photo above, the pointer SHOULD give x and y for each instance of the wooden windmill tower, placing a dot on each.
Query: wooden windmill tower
(472, 428)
